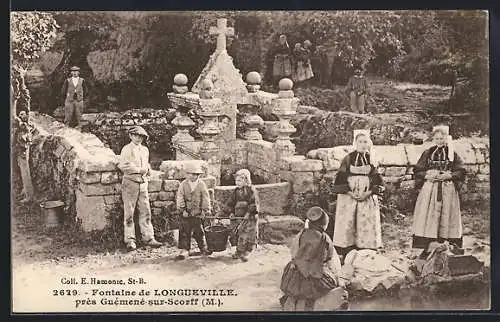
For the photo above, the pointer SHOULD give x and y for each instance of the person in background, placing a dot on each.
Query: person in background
(134, 163)
(438, 175)
(243, 209)
(358, 184)
(193, 203)
(282, 65)
(320, 66)
(302, 64)
(357, 88)
(23, 135)
(74, 91)
(313, 270)
(308, 52)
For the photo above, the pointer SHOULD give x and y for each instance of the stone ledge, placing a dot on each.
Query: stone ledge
(279, 229)
(273, 196)
(471, 150)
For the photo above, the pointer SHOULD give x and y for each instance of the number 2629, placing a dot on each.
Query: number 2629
(64, 292)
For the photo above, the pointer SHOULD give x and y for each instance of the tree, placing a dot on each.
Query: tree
(81, 33)
(31, 34)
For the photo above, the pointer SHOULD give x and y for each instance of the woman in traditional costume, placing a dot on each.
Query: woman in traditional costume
(282, 66)
(302, 63)
(313, 271)
(438, 174)
(358, 185)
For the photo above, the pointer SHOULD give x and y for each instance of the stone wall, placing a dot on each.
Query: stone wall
(77, 168)
(111, 128)
(312, 176)
(74, 167)
(396, 167)
(80, 170)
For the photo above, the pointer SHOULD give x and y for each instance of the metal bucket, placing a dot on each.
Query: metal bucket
(52, 213)
(216, 237)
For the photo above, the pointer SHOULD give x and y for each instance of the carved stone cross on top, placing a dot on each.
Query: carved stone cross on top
(222, 30)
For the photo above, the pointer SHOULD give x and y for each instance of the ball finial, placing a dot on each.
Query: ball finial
(253, 78)
(285, 84)
(180, 80)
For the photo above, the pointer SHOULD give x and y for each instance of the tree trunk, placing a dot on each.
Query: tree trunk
(20, 93)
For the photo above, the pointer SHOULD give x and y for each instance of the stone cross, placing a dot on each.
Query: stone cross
(222, 30)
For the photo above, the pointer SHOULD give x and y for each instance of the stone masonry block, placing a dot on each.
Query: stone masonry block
(286, 176)
(391, 155)
(318, 175)
(331, 164)
(471, 168)
(483, 178)
(307, 165)
(279, 229)
(166, 195)
(154, 185)
(112, 199)
(303, 182)
(464, 149)
(91, 211)
(163, 204)
(110, 177)
(392, 179)
(153, 196)
(98, 189)
(413, 152)
(480, 156)
(89, 177)
(484, 168)
(157, 211)
(171, 185)
(338, 152)
(273, 197)
(395, 171)
(98, 164)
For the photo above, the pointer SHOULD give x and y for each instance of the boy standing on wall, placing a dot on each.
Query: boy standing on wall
(134, 163)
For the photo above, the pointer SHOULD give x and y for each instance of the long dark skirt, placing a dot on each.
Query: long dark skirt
(293, 283)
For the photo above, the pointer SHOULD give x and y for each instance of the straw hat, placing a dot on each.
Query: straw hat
(139, 130)
(75, 69)
(193, 168)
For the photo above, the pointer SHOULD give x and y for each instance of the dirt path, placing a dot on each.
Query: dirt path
(42, 258)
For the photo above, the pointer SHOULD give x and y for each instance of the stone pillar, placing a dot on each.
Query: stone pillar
(182, 122)
(209, 111)
(252, 121)
(285, 107)
(250, 110)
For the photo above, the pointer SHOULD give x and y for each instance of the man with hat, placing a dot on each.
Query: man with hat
(357, 88)
(193, 203)
(74, 91)
(134, 163)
